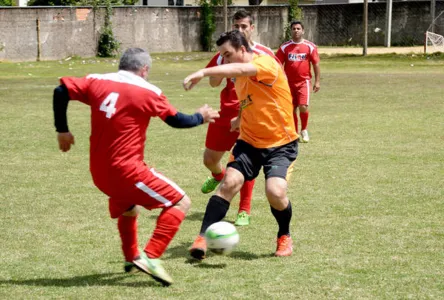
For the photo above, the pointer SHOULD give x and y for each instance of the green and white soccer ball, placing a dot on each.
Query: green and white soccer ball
(221, 237)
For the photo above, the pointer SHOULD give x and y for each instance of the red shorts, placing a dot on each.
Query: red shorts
(300, 91)
(219, 137)
(153, 190)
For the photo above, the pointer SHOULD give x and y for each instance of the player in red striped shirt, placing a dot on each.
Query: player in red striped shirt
(219, 138)
(122, 105)
(296, 55)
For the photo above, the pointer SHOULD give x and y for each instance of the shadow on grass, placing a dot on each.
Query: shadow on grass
(196, 216)
(204, 264)
(107, 279)
(182, 251)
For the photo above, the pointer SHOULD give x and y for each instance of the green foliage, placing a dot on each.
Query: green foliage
(7, 3)
(94, 3)
(294, 13)
(208, 24)
(108, 45)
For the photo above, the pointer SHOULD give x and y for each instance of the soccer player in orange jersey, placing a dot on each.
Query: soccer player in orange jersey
(267, 137)
(122, 105)
(219, 138)
(296, 55)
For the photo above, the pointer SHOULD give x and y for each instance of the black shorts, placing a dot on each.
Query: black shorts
(249, 160)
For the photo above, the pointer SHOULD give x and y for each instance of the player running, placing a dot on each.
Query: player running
(296, 55)
(219, 138)
(122, 105)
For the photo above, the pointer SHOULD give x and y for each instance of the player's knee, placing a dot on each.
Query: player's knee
(303, 108)
(275, 193)
(276, 189)
(209, 160)
(231, 183)
(184, 204)
(132, 212)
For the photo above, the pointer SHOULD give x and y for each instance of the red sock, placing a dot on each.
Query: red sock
(304, 119)
(246, 193)
(168, 224)
(128, 234)
(295, 116)
(219, 176)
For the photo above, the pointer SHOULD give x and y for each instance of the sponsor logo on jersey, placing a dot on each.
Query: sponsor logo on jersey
(246, 102)
(297, 56)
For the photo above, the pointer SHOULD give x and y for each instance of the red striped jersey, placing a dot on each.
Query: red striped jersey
(121, 104)
(296, 58)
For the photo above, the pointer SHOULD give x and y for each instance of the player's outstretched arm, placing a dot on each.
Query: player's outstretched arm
(60, 106)
(203, 115)
(228, 70)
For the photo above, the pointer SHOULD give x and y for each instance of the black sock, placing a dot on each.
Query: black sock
(216, 210)
(283, 218)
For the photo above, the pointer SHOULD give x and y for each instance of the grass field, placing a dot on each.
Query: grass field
(367, 192)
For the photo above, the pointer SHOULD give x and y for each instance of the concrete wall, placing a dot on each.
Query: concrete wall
(75, 31)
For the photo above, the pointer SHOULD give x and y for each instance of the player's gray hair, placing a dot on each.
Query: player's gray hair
(134, 59)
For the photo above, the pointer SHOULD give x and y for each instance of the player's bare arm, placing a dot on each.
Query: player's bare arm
(228, 70)
(317, 72)
(215, 81)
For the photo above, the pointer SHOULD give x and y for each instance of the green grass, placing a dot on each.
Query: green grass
(367, 191)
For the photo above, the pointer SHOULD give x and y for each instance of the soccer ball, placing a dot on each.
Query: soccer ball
(221, 238)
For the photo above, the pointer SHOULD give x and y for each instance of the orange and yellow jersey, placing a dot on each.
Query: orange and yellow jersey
(266, 104)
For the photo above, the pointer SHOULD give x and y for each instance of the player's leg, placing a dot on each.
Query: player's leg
(294, 95)
(239, 167)
(157, 191)
(212, 160)
(219, 139)
(304, 101)
(276, 169)
(127, 226)
(244, 212)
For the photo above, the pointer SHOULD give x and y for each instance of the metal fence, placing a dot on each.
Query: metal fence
(343, 24)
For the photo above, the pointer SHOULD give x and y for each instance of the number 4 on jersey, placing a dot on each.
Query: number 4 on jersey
(109, 104)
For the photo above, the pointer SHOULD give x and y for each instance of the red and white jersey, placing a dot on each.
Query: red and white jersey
(229, 104)
(296, 58)
(121, 104)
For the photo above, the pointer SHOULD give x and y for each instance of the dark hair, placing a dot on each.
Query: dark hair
(242, 14)
(295, 23)
(134, 59)
(236, 39)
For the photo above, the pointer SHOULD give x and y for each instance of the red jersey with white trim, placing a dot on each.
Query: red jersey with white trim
(229, 104)
(121, 104)
(296, 58)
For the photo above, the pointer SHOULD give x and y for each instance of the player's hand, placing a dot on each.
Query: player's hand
(235, 124)
(316, 87)
(191, 80)
(208, 114)
(65, 139)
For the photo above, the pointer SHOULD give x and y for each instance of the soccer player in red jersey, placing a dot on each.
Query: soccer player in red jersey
(122, 105)
(219, 138)
(296, 55)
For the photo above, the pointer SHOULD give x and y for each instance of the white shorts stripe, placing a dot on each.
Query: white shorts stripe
(153, 194)
(170, 182)
(307, 82)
